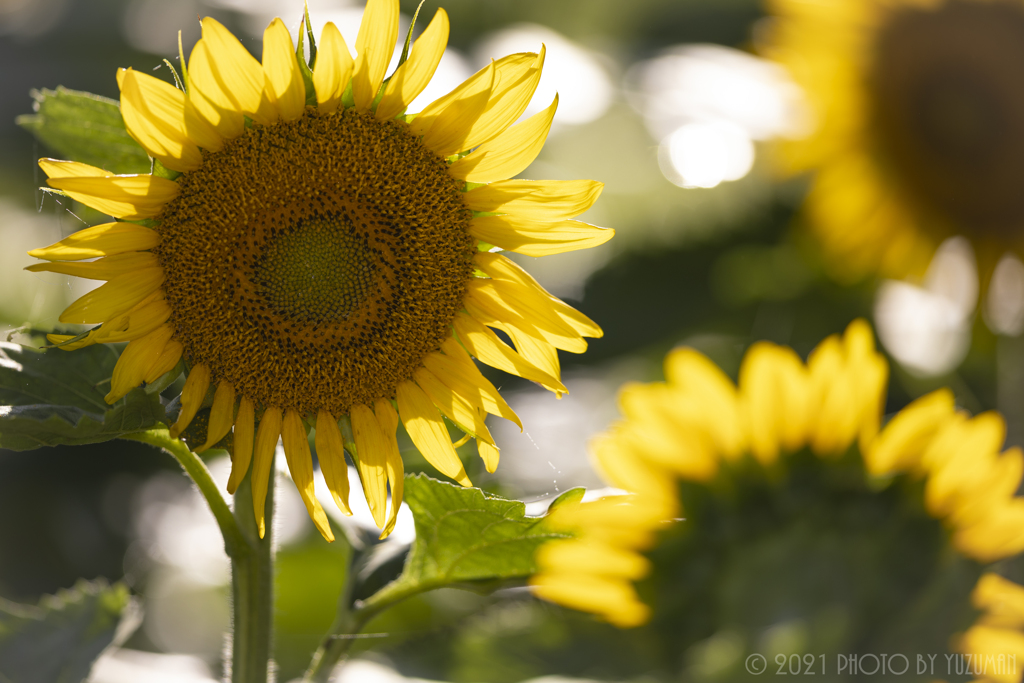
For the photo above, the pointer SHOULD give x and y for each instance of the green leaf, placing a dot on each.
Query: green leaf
(58, 640)
(54, 397)
(80, 126)
(466, 535)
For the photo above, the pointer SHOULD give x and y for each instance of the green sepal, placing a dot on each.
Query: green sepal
(55, 397)
(309, 34)
(174, 72)
(304, 69)
(59, 639)
(161, 171)
(80, 126)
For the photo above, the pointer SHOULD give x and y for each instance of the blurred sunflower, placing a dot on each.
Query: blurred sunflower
(798, 511)
(919, 137)
(316, 256)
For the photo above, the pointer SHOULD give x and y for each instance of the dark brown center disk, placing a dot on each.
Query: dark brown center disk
(947, 88)
(313, 264)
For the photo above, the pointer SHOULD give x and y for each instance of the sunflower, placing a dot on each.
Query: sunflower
(919, 134)
(796, 502)
(316, 257)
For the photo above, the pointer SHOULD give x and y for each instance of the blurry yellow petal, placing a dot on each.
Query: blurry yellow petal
(192, 397)
(241, 453)
(222, 415)
(428, 432)
(453, 406)
(456, 369)
(531, 238)
(541, 200)
(624, 465)
(712, 393)
(267, 434)
(412, 77)
(136, 361)
(485, 345)
(388, 419)
(900, 445)
(300, 464)
(113, 298)
(994, 653)
(120, 196)
(489, 454)
(593, 557)
(106, 268)
(774, 399)
(330, 451)
(614, 600)
(100, 240)
(166, 362)
(371, 460)
(332, 71)
(154, 115)
(1000, 601)
(374, 47)
(508, 154)
(284, 84)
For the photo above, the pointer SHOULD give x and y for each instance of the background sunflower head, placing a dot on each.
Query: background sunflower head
(779, 506)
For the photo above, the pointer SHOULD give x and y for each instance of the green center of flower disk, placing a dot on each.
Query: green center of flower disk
(314, 263)
(948, 109)
(320, 272)
(805, 557)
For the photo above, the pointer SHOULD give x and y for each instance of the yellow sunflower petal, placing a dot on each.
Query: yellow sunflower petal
(530, 304)
(531, 238)
(267, 435)
(113, 298)
(541, 200)
(509, 153)
(168, 359)
(210, 103)
(154, 115)
(142, 319)
(135, 362)
(388, 419)
(516, 79)
(489, 453)
(300, 464)
(57, 168)
(236, 80)
(774, 395)
(374, 45)
(693, 375)
(333, 69)
(599, 558)
(192, 397)
(453, 406)
(486, 346)
(443, 123)
(284, 84)
(1001, 601)
(100, 240)
(222, 415)
(413, 76)
(428, 432)
(457, 371)
(106, 268)
(330, 451)
(121, 196)
(994, 653)
(241, 452)
(371, 457)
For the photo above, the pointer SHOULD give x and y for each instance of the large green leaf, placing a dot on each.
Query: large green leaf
(80, 126)
(466, 535)
(55, 397)
(58, 640)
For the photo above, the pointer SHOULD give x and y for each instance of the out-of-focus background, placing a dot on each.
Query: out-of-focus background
(665, 102)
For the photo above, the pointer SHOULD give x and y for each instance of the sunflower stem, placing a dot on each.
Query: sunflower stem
(252, 591)
(350, 622)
